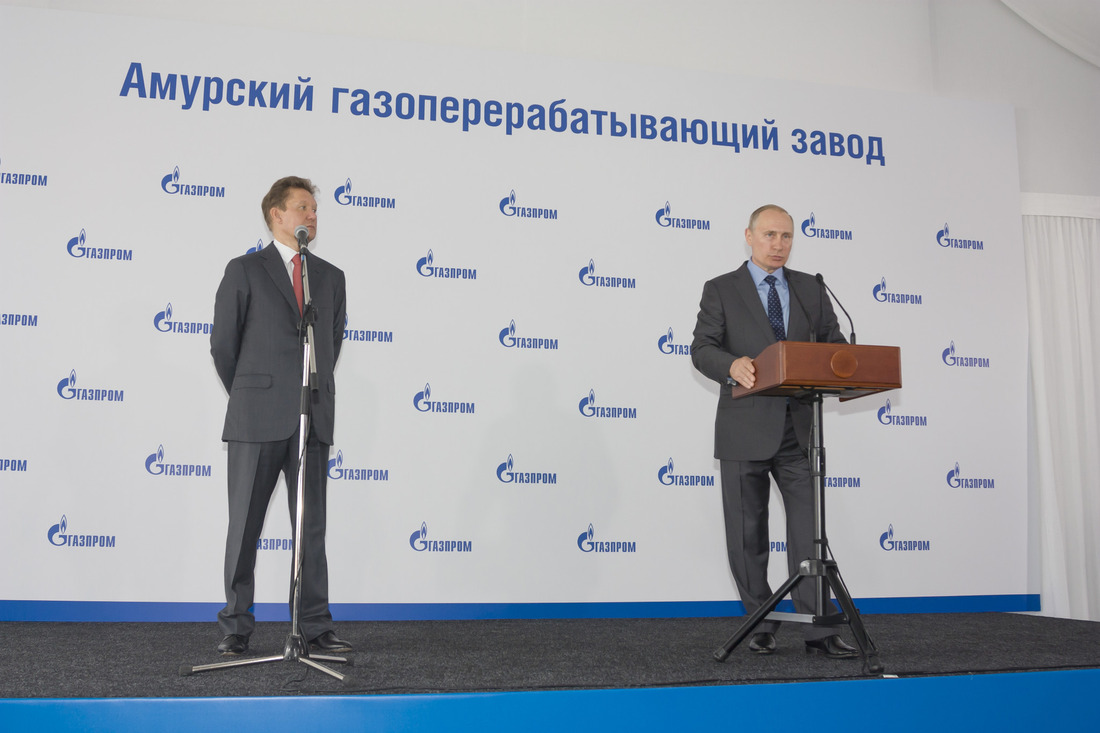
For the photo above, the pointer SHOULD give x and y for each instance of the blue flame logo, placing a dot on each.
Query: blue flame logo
(665, 474)
(505, 469)
(508, 204)
(421, 399)
(809, 225)
(417, 538)
(942, 235)
(155, 461)
(424, 265)
(170, 183)
(75, 246)
(58, 531)
(587, 406)
(586, 273)
(66, 385)
(163, 320)
(507, 336)
(664, 215)
(887, 538)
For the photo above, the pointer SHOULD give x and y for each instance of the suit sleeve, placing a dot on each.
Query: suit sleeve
(230, 311)
(708, 350)
(339, 314)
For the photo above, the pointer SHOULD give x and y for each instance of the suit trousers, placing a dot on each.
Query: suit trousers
(746, 488)
(254, 470)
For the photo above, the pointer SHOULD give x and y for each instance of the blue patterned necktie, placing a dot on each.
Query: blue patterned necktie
(775, 310)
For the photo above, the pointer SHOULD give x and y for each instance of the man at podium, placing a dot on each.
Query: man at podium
(760, 437)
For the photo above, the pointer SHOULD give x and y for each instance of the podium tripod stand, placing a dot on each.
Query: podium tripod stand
(809, 372)
(296, 648)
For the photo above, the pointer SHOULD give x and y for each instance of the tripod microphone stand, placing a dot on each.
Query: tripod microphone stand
(296, 648)
(808, 371)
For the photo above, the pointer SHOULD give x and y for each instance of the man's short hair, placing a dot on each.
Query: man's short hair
(767, 207)
(280, 191)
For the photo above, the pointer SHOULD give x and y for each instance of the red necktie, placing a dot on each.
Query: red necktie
(297, 279)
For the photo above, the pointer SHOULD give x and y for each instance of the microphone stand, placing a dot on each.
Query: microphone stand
(821, 568)
(296, 648)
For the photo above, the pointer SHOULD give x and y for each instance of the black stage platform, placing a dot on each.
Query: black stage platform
(143, 660)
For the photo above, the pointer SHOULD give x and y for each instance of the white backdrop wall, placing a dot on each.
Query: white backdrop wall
(938, 466)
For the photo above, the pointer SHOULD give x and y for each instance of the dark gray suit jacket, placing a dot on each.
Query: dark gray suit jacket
(256, 351)
(733, 323)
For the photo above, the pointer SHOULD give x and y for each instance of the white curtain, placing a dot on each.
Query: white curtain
(1062, 259)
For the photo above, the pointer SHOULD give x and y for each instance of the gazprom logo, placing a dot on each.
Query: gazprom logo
(508, 339)
(344, 197)
(812, 230)
(887, 542)
(950, 358)
(886, 417)
(589, 408)
(78, 248)
(256, 247)
(23, 179)
(171, 184)
(16, 465)
(155, 465)
(164, 323)
(945, 240)
(59, 536)
(508, 208)
(30, 320)
(587, 542)
(588, 277)
(427, 268)
(882, 295)
(507, 474)
(337, 471)
(956, 480)
(423, 402)
(419, 541)
(667, 475)
(67, 390)
(665, 219)
(667, 345)
(356, 334)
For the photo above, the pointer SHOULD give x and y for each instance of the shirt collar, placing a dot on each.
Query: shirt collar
(285, 252)
(758, 274)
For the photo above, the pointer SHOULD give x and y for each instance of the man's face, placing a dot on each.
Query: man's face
(770, 239)
(300, 210)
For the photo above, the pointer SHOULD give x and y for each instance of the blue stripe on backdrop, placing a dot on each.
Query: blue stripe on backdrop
(156, 612)
(1025, 701)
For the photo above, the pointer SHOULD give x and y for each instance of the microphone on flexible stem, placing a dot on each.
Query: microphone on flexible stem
(851, 326)
(813, 326)
(302, 234)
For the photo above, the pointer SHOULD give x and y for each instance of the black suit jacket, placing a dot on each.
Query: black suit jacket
(733, 323)
(256, 349)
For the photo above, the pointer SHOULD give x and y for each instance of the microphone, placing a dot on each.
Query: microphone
(813, 327)
(851, 326)
(302, 234)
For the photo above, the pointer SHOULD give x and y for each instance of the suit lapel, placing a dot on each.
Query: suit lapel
(276, 270)
(799, 329)
(746, 290)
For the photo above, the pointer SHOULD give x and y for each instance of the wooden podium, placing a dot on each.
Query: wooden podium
(808, 372)
(799, 368)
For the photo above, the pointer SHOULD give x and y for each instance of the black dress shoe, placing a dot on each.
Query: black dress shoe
(232, 645)
(832, 647)
(327, 642)
(762, 643)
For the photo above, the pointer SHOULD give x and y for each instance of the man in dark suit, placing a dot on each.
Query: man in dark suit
(257, 352)
(757, 437)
